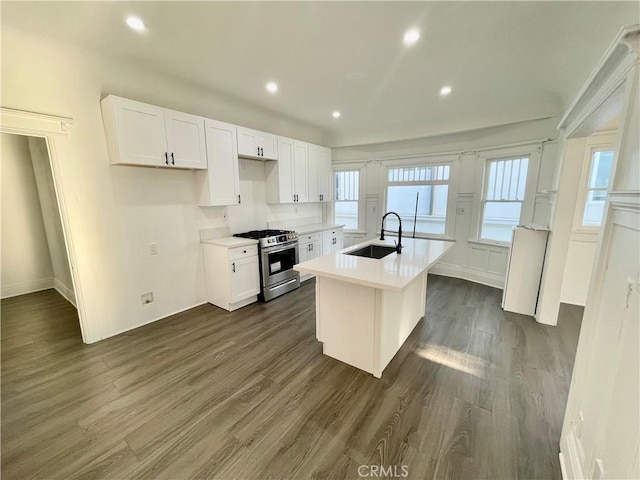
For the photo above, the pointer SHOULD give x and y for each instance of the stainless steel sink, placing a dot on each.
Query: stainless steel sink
(373, 251)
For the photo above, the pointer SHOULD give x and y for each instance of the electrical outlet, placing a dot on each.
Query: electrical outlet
(461, 211)
(153, 249)
(295, 210)
(146, 298)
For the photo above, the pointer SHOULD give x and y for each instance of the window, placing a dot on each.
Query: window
(419, 195)
(596, 187)
(504, 189)
(347, 194)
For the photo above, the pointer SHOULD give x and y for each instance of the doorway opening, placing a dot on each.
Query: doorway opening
(37, 287)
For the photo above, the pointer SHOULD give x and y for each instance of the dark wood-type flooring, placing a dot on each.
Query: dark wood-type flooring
(474, 393)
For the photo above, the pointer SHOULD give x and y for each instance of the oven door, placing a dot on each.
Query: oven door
(278, 261)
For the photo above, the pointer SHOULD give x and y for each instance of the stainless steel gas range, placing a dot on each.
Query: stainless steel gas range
(278, 255)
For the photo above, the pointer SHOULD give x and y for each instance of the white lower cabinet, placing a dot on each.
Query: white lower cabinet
(309, 247)
(331, 241)
(232, 275)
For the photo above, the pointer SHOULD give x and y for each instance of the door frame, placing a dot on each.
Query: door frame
(54, 130)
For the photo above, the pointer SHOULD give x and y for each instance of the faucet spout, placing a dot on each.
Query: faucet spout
(382, 230)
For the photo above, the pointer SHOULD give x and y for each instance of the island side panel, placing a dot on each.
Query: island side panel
(398, 314)
(346, 321)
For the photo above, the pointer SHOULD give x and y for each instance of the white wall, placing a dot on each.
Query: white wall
(583, 241)
(114, 212)
(600, 431)
(470, 259)
(26, 265)
(62, 280)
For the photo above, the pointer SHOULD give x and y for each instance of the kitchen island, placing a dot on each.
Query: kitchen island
(367, 307)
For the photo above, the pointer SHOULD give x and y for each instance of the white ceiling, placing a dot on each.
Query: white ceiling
(506, 61)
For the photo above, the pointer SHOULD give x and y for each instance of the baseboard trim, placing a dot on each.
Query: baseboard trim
(65, 291)
(146, 323)
(570, 458)
(466, 273)
(24, 288)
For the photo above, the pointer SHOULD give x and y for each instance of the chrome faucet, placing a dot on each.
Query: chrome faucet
(399, 242)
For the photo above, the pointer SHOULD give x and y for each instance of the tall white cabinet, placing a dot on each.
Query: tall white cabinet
(220, 184)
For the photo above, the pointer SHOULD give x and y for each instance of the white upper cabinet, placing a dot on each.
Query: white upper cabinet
(301, 174)
(150, 136)
(319, 173)
(279, 175)
(256, 144)
(220, 184)
(185, 140)
(301, 171)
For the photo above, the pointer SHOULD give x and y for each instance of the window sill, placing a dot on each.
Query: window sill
(353, 232)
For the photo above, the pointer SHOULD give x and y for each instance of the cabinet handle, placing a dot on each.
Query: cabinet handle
(173, 160)
(244, 251)
(258, 150)
(166, 158)
(261, 152)
(233, 267)
(239, 200)
(311, 245)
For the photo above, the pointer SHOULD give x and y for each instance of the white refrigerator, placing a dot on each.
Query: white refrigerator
(524, 269)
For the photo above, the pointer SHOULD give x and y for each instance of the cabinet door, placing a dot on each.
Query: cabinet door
(136, 132)
(245, 279)
(316, 250)
(314, 173)
(300, 171)
(324, 175)
(268, 144)
(247, 146)
(285, 170)
(304, 252)
(337, 242)
(185, 140)
(223, 185)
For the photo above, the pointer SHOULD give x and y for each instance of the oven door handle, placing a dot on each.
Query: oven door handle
(281, 247)
(293, 280)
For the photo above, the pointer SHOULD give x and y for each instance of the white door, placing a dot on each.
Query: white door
(245, 280)
(222, 158)
(185, 140)
(304, 252)
(314, 173)
(285, 170)
(300, 171)
(140, 133)
(337, 241)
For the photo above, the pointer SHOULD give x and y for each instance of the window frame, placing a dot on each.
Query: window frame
(590, 149)
(530, 150)
(485, 188)
(452, 161)
(350, 167)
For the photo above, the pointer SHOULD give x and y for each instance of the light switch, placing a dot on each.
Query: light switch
(153, 249)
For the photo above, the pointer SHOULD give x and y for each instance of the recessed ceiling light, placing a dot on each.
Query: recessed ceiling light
(336, 114)
(272, 87)
(411, 36)
(445, 91)
(135, 23)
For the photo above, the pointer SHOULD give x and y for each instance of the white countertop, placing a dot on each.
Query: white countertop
(231, 242)
(393, 272)
(315, 228)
